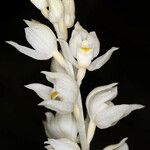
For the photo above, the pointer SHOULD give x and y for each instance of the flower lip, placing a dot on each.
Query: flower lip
(53, 94)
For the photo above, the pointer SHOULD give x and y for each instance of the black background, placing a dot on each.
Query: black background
(117, 23)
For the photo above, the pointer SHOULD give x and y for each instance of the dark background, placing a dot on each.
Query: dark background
(117, 23)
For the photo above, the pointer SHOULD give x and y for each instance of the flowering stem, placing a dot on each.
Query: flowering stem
(91, 131)
(80, 75)
(78, 112)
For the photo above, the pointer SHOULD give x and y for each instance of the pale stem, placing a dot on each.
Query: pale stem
(78, 112)
(91, 131)
(80, 75)
(59, 58)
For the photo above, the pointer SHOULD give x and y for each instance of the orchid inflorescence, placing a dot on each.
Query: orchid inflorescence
(67, 128)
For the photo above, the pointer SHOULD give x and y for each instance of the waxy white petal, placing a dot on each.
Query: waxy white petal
(58, 106)
(100, 95)
(94, 43)
(77, 36)
(60, 144)
(41, 90)
(100, 61)
(122, 145)
(99, 89)
(110, 116)
(29, 52)
(40, 4)
(98, 103)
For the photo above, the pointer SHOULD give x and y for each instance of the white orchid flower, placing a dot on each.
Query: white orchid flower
(102, 112)
(43, 40)
(69, 12)
(60, 126)
(84, 47)
(62, 97)
(61, 144)
(122, 145)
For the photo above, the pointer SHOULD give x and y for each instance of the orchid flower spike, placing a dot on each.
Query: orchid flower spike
(42, 6)
(102, 112)
(62, 97)
(43, 40)
(59, 144)
(60, 126)
(122, 145)
(84, 47)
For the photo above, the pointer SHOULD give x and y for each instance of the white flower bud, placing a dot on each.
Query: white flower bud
(69, 13)
(56, 10)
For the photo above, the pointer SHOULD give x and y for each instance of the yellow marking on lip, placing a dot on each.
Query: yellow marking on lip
(53, 95)
(85, 49)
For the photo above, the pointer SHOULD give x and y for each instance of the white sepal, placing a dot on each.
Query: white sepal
(100, 61)
(41, 90)
(122, 145)
(40, 4)
(60, 126)
(59, 144)
(112, 114)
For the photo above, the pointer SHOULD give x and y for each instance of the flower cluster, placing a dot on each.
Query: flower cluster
(66, 127)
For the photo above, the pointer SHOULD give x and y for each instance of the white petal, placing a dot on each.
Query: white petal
(58, 106)
(78, 35)
(100, 61)
(32, 23)
(41, 90)
(98, 103)
(69, 17)
(65, 144)
(40, 4)
(122, 145)
(56, 10)
(42, 39)
(112, 115)
(28, 51)
(94, 43)
(97, 90)
(66, 52)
